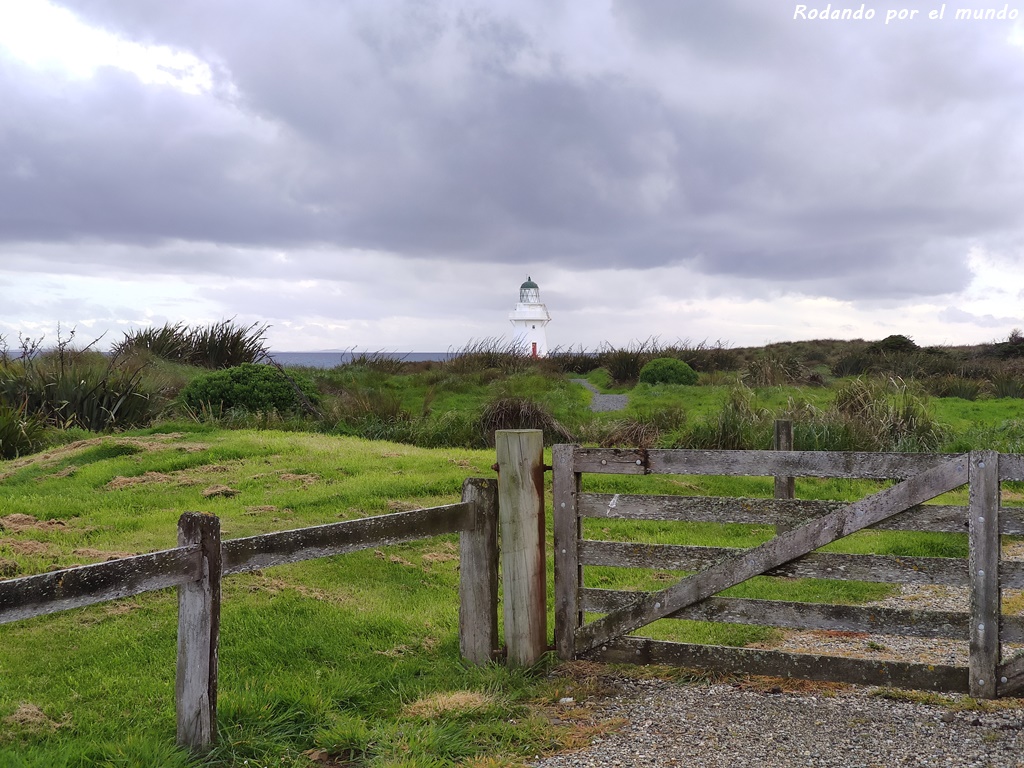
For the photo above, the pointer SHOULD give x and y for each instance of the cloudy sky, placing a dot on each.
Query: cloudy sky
(383, 174)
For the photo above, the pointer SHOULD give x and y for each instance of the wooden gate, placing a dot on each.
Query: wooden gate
(803, 526)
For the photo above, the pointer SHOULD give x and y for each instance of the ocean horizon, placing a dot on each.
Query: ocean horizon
(331, 359)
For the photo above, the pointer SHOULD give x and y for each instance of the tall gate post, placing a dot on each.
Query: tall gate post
(195, 688)
(521, 525)
(478, 573)
(983, 561)
(565, 486)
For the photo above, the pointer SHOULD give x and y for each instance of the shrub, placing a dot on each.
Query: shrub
(954, 386)
(506, 356)
(772, 368)
(570, 360)
(629, 433)
(667, 370)
(625, 363)
(739, 426)
(889, 415)
(896, 343)
(250, 387)
(520, 413)
(856, 363)
(1007, 386)
(20, 432)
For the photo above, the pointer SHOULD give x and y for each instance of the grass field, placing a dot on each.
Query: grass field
(346, 658)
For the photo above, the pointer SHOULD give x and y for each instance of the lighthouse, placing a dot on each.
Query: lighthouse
(529, 318)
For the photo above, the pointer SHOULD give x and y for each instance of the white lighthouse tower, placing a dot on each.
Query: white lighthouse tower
(529, 318)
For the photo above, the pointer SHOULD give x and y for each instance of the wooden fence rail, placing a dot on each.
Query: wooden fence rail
(197, 565)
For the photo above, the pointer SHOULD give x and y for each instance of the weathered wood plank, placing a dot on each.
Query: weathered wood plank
(947, 571)
(748, 661)
(1011, 467)
(195, 687)
(939, 518)
(269, 549)
(779, 550)
(521, 526)
(568, 571)
(983, 562)
(851, 618)
(775, 613)
(1010, 680)
(88, 584)
(478, 573)
(879, 466)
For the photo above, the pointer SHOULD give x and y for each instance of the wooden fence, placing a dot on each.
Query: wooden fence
(199, 562)
(802, 526)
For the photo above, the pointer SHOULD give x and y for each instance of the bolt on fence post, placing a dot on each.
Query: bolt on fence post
(521, 525)
(478, 573)
(195, 688)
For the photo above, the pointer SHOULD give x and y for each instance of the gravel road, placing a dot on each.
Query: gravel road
(729, 726)
(601, 403)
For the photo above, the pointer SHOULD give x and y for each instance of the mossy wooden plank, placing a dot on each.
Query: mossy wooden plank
(748, 661)
(834, 464)
(935, 518)
(824, 616)
(270, 549)
(88, 584)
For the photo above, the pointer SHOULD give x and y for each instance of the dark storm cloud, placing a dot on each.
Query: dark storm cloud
(847, 160)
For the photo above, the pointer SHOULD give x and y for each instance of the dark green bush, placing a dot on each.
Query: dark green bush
(667, 370)
(250, 387)
(895, 343)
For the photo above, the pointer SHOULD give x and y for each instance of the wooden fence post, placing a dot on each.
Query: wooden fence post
(478, 573)
(983, 561)
(521, 518)
(195, 688)
(565, 485)
(785, 487)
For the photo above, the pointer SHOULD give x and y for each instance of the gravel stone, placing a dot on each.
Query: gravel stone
(728, 726)
(734, 726)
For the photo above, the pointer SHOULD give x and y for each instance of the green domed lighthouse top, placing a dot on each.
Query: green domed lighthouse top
(529, 292)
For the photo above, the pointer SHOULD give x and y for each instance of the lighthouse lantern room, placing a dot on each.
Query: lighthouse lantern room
(529, 319)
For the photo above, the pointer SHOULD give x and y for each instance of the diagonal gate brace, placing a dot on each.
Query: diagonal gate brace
(783, 548)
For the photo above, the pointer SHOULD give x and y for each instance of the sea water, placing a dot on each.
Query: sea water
(332, 359)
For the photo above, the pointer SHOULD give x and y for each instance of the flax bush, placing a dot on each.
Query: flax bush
(68, 387)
